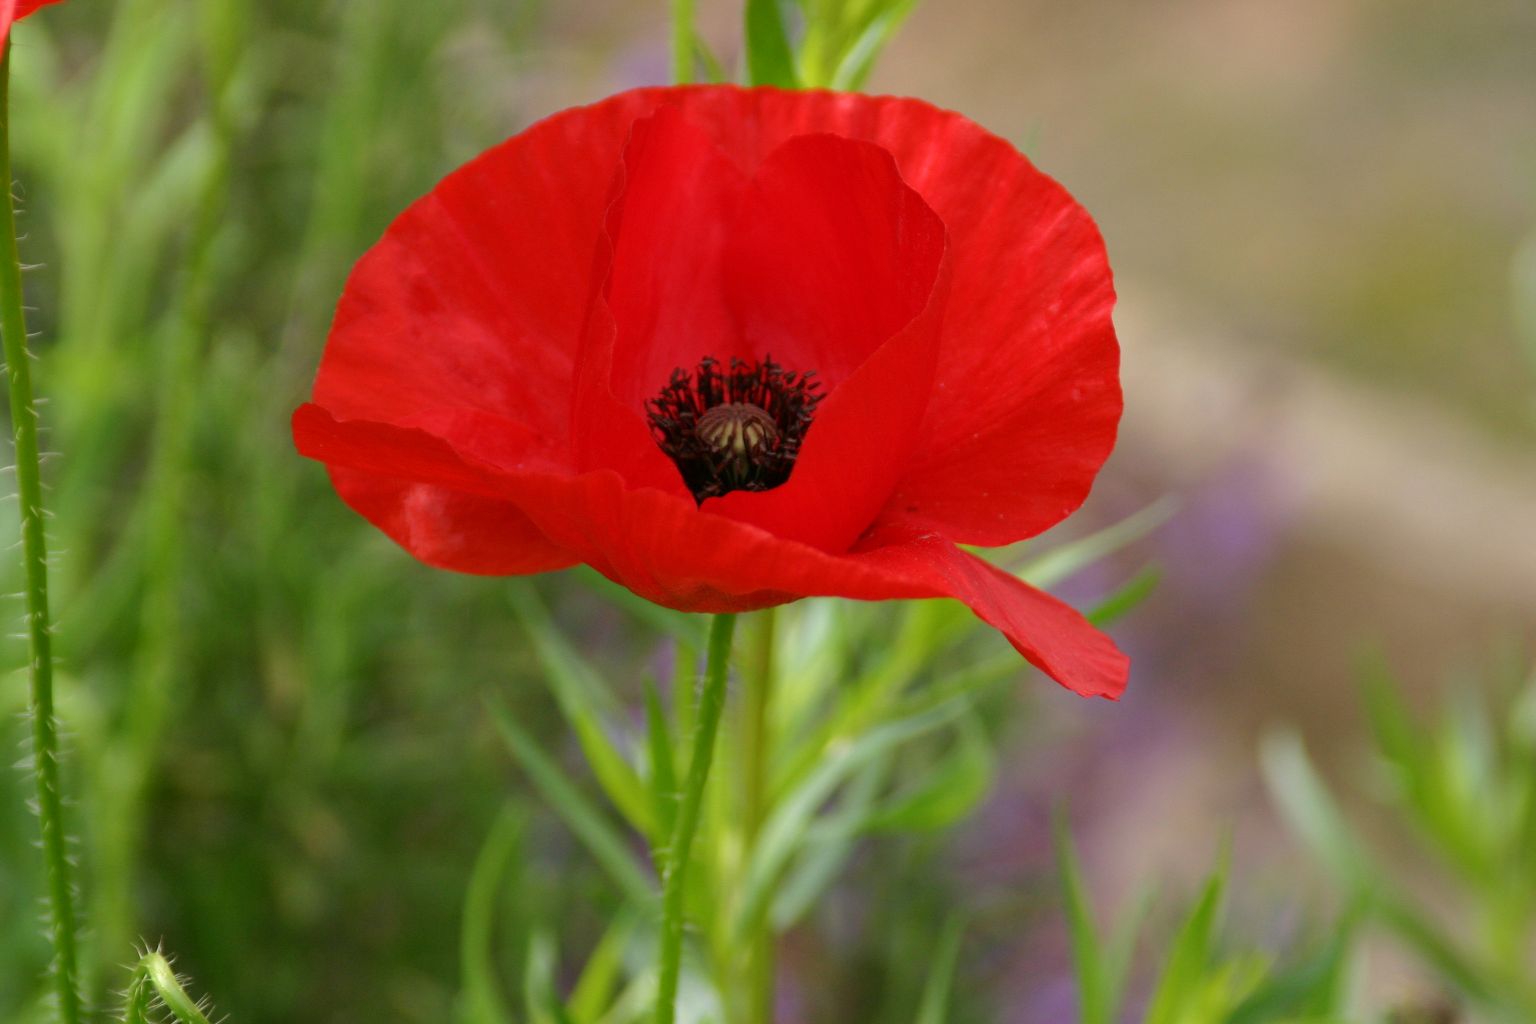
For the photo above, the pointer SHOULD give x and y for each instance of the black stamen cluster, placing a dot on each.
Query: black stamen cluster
(711, 469)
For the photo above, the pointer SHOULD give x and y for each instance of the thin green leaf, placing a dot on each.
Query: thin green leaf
(582, 697)
(540, 996)
(601, 839)
(1121, 947)
(858, 60)
(770, 60)
(663, 761)
(1060, 562)
(1185, 970)
(1122, 601)
(593, 994)
(949, 791)
(482, 1001)
(717, 74)
(1430, 943)
(934, 1009)
(1305, 803)
(1095, 994)
(1315, 988)
(827, 845)
(784, 831)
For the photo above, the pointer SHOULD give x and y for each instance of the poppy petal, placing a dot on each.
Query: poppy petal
(416, 488)
(1052, 635)
(1027, 399)
(659, 301)
(836, 266)
(476, 295)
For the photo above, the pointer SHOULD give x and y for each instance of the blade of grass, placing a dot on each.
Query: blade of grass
(483, 1000)
(594, 991)
(785, 829)
(770, 61)
(1187, 964)
(663, 761)
(1055, 565)
(1095, 995)
(934, 1009)
(586, 821)
(582, 697)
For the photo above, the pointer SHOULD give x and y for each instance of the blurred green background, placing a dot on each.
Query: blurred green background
(279, 744)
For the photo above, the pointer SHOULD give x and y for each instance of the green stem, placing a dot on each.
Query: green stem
(757, 690)
(34, 546)
(155, 984)
(680, 845)
(682, 41)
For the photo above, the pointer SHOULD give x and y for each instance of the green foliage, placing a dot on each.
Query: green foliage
(1463, 790)
(1197, 981)
(844, 37)
(830, 44)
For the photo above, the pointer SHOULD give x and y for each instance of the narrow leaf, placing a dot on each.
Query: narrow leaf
(934, 1009)
(601, 839)
(482, 999)
(770, 61)
(785, 829)
(1191, 956)
(1094, 995)
(581, 695)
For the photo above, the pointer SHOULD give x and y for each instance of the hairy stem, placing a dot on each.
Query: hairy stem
(154, 984)
(674, 858)
(34, 548)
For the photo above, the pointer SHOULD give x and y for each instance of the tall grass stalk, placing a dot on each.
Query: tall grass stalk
(34, 547)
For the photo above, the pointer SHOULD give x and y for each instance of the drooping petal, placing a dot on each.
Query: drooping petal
(1052, 635)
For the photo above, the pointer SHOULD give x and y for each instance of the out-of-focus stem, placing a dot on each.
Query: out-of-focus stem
(680, 845)
(757, 697)
(682, 41)
(34, 548)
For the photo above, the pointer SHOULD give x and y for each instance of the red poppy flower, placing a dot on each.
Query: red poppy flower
(14, 10)
(733, 347)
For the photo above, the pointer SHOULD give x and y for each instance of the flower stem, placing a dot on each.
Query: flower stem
(155, 984)
(682, 41)
(34, 546)
(675, 857)
(757, 689)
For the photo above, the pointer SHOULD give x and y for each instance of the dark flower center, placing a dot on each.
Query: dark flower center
(734, 430)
